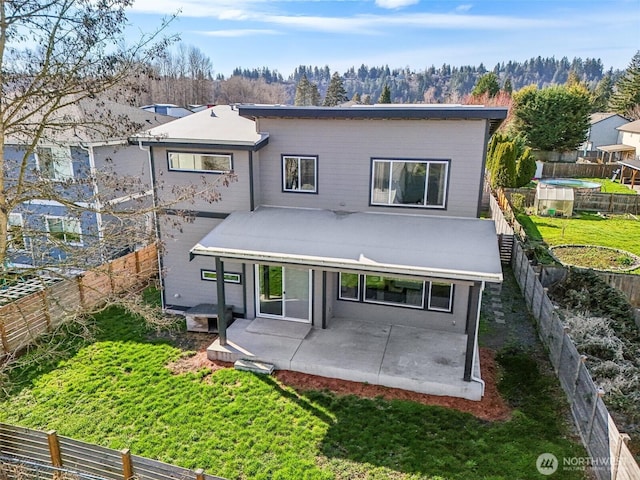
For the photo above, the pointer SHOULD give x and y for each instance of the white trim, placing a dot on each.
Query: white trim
(340, 297)
(424, 204)
(299, 158)
(127, 198)
(436, 309)
(284, 295)
(204, 272)
(64, 219)
(64, 153)
(21, 225)
(200, 154)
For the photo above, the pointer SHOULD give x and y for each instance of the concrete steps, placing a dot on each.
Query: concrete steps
(254, 366)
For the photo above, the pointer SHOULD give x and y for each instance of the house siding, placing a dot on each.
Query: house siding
(604, 132)
(234, 197)
(345, 149)
(183, 286)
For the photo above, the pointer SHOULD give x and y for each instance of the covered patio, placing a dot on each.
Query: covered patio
(611, 153)
(416, 359)
(630, 172)
(419, 347)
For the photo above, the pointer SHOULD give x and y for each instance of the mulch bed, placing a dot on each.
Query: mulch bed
(492, 407)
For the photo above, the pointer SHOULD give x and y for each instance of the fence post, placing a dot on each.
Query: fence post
(3, 337)
(199, 474)
(592, 417)
(127, 466)
(623, 438)
(581, 360)
(544, 294)
(81, 291)
(54, 448)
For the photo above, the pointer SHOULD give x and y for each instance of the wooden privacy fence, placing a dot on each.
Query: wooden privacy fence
(23, 320)
(63, 454)
(616, 203)
(584, 170)
(609, 455)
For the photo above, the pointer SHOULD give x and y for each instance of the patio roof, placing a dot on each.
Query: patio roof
(620, 147)
(635, 164)
(395, 244)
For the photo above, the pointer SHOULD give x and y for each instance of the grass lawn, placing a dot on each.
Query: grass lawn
(616, 231)
(609, 186)
(116, 391)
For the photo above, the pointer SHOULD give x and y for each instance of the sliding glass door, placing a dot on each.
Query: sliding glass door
(283, 292)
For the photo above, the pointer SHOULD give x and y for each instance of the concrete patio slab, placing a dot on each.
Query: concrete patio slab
(419, 360)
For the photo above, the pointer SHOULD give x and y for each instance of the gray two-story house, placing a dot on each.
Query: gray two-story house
(350, 242)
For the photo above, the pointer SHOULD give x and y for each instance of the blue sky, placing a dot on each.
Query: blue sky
(282, 34)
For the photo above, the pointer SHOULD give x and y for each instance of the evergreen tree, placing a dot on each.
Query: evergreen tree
(602, 94)
(525, 168)
(625, 100)
(306, 93)
(385, 96)
(487, 83)
(554, 118)
(336, 94)
(507, 87)
(503, 173)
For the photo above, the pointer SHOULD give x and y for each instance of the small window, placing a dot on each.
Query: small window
(65, 230)
(394, 291)
(15, 232)
(299, 174)
(54, 163)
(349, 286)
(200, 162)
(440, 297)
(409, 183)
(212, 276)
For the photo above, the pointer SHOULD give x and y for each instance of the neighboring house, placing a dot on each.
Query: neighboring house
(70, 177)
(627, 146)
(602, 131)
(168, 109)
(629, 139)
(350, 244)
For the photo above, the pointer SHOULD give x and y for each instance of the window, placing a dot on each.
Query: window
(299, 174)
(409, 293)
(396, 291)
(440, 296)
(413, 183)
(200, 162)
(212, 276)
(349, 286)
(54, 163)
(15, 232)
(65, 229)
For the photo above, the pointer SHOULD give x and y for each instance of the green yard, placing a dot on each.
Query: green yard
(609, 186)
(614, 231)
(117, 391)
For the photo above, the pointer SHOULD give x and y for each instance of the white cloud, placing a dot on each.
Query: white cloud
(395, 3)
(241, 32)
(464, 8)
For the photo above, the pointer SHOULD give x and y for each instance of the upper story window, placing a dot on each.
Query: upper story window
(409, 183)
(54, 163)
(200, 162)
(299, 174)
(15, 231)
(65, 229)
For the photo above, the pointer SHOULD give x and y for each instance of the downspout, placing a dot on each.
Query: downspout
(96, 192)
(156, 224)
(475, 346)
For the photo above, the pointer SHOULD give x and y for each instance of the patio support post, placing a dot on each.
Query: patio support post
(222, 306)
(472, 319)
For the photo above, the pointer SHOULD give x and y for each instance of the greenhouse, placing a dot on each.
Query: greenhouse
(554, 201)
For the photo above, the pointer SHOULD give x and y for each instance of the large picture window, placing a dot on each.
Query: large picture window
(64, 229)
(411, 183)
(200, 162)
(438, 296)
(54, 163)
(299, 174)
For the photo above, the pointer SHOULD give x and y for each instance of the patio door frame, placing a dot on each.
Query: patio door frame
(283, 316)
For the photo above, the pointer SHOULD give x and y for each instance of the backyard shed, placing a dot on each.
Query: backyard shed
(552, 201)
